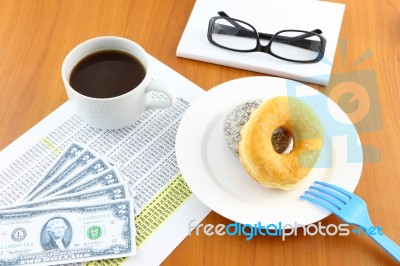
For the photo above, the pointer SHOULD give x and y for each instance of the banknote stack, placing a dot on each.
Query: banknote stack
(80, 210)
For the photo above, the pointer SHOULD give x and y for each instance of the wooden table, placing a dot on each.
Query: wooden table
(35, 35)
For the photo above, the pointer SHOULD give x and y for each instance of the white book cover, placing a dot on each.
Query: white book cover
(267, 16)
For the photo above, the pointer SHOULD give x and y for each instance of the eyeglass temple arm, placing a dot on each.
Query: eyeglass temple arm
(242, 30)
(293, 38)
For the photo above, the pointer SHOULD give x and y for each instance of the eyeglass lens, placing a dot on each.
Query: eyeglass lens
(296, 45)
(234, 34)
(293, 45)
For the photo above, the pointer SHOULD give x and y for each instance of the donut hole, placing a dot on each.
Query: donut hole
(282, 140)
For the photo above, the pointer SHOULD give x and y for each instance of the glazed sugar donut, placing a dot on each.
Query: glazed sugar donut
(280, 142)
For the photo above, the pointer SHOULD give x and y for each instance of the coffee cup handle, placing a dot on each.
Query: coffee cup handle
(151, 103)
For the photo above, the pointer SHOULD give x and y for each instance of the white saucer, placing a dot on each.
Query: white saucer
(216, 177)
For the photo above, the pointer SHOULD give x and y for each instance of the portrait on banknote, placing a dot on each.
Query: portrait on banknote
(56, 234)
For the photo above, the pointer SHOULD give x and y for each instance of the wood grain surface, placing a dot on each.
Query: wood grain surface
(35, 36)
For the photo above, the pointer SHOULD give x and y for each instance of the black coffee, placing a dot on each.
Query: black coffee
(107, 74)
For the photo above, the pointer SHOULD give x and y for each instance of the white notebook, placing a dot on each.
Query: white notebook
(268, 16)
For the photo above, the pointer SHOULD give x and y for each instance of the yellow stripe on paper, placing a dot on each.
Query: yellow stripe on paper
(49, 144)
(109, 262)
(163, 206)
(154, 215)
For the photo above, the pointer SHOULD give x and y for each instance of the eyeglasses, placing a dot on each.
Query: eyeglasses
(291, 45)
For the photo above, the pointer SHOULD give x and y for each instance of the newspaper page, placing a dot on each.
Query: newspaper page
(144, 153)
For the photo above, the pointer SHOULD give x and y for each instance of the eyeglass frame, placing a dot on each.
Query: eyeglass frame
(266, 48)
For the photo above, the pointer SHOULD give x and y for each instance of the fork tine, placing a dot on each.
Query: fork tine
(320, 203)
(324, 198)
(330, 192)
(348, 194)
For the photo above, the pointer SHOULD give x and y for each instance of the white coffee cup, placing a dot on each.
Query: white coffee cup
(122, 110)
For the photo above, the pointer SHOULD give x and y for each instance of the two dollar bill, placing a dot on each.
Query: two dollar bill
(80, 210)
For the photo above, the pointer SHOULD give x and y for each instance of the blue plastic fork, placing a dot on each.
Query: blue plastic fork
(351, 209)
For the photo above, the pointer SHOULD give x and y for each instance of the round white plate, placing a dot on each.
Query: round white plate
(215, 175)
